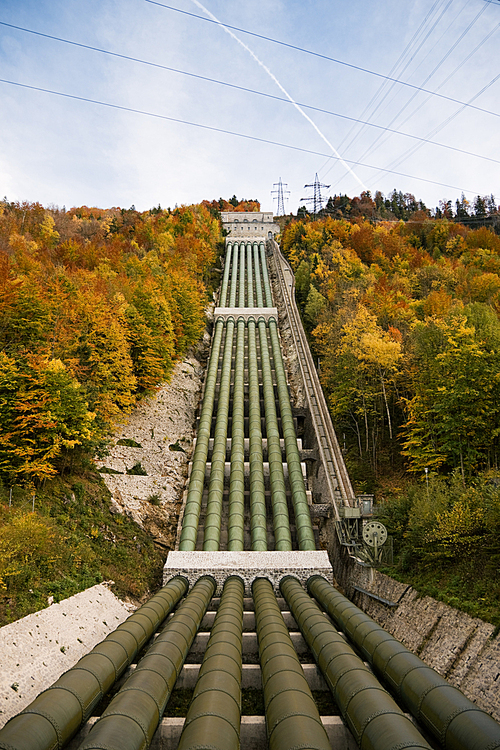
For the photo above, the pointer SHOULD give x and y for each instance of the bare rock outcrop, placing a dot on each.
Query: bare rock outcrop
(147, 466)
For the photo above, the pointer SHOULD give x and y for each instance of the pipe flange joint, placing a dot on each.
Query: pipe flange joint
(423, 696)
(405, 674)
(94, 675)
(50, 719)
(115, 672)
(141, 690)
(141, 726)
(340, 674)
(217, 716)
(360, 732)
(290, 715)
(280, 692)
(450, 718)
(75, 695)
(354, 693)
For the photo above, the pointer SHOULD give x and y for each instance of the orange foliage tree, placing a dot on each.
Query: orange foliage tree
(95, 307)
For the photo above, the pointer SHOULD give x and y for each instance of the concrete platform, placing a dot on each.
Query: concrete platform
(272, 565)
(245, 313)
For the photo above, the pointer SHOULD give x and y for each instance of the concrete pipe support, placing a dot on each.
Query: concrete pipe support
(305, 534)
(452, 718)
(192, 508)
(281, 521)
(292, 717)
(55, 715)
(236, 519)
(258, 516)
(133, 715)
(213, 516)
(373, 717)
(213, 718)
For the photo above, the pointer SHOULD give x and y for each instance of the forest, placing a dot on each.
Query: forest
(96, 305)
(402, 313)
(403, 320)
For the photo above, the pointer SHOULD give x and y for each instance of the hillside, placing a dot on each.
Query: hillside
(403, 318)
(96, 307)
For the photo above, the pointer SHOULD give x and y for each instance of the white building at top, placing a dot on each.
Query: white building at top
(249, 224)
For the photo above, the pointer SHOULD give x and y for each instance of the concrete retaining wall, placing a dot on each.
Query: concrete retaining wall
(37, 649)
(461, 648)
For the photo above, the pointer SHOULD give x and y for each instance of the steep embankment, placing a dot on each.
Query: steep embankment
(41, 646)
(146, 469)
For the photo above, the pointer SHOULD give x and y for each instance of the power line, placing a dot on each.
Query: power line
(371, 149)
(372, 106)
(323, 57)
(439, 127)
(249, 91)
(228, 132)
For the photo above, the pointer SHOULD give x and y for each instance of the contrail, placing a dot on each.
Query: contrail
(285, 92)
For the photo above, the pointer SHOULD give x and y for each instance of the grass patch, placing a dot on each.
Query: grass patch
(71, 542)
(155, 499)
(137, 470)
(128, 442)
(176, 447)
(447, 542)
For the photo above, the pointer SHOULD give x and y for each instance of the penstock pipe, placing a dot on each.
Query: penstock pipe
(50, 721)
(444, 710)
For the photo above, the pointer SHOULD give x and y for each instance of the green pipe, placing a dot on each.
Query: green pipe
(234, 277)
(213, 515)
(265, 276)
(281, 521)
(258, 514)
(305, 534)
(225, 278)
(373, 717)
(192, 508)
(453, 719)
(213, 718)
(237, 478)
(55, 715)
(241, 290)
(292, 717)
(258, 283)
(250, 295)
(133, 715)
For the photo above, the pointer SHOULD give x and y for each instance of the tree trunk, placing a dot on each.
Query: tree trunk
(386, 404)
(366, 426)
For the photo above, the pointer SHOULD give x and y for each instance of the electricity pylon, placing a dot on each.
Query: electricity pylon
(281, 196)
(316, 199)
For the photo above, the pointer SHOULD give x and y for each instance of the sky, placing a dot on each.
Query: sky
(156, 131)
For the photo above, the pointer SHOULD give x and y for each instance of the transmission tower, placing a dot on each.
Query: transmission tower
(281, 196)
(317, 198)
